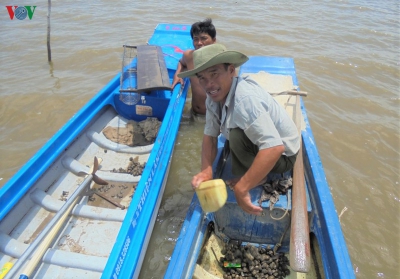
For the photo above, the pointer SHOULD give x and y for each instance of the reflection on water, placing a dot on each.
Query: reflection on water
(347, 59)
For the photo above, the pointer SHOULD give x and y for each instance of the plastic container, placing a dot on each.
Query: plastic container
(212, 194)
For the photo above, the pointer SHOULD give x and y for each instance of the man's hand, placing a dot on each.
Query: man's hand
(200, 177)
(176, 81)
(261, 166)
(244, 201)
(181, 67)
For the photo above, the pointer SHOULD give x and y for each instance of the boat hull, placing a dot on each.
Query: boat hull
(330, 256)
(98, 239)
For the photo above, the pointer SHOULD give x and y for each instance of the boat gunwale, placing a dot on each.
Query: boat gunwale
(325, 213)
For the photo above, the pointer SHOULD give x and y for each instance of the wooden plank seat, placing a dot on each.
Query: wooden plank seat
(152, 73)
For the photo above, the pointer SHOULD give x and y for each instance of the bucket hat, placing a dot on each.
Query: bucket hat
(212, 55)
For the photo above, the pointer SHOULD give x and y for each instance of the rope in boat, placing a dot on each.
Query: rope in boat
(279, 244)
(286, 211)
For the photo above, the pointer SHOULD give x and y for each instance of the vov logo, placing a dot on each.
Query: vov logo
(20, 12)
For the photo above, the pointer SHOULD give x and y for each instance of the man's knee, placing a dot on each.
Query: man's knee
(284, 164)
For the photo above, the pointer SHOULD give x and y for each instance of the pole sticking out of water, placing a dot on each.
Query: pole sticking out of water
(48, 30)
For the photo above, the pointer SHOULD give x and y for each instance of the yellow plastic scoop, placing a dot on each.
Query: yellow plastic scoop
(212, 194)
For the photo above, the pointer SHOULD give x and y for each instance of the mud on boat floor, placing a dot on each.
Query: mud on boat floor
(135, 133)
(119, 194)
(116, 193)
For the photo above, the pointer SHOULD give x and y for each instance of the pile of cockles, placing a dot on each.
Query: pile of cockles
(134, 167)
(248, 261)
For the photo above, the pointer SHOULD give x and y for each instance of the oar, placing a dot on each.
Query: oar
(44, 245)
(44, 239)
(299, 237)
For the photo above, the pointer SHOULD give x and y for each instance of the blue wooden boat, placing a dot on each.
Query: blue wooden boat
(326, 255)
(57, 219)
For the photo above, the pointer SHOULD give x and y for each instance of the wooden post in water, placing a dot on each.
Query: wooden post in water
(48, 31)
(300, 236)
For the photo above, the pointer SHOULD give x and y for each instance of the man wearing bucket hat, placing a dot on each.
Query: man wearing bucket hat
(262, 137)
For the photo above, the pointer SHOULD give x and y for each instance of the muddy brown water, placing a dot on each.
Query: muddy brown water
(347, 59)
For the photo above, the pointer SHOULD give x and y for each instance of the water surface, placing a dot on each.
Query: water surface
(347, 59)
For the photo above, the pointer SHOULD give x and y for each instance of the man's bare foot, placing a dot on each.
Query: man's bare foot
(232, 182)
